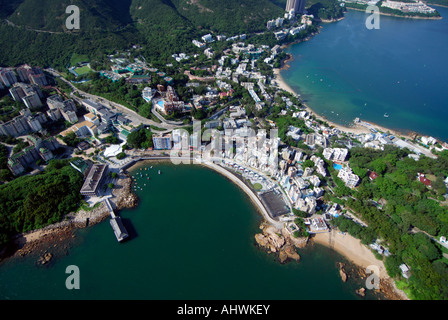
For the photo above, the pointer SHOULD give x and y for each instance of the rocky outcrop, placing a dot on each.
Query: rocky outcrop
(126, 199)
(271, 239)
(129, 201)
(280, 242)
(45, 258)
(288, 252)
(342, 272)
(361, 292)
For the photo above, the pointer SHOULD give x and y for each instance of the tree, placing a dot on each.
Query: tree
(308, 164)
(71, 139)
(5, 175)
(145, 110)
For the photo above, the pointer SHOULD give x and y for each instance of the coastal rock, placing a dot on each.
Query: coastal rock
(361, 292)
(129, 201)
(288, 252)
(342, 272)
(282, 256)
(299, 243)
(279, 241)
(271, 239)
(45, 258)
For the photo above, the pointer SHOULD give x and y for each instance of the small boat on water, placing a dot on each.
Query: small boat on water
(386, 115)
(160, 172)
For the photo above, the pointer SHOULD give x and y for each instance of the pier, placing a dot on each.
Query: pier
(117, 225)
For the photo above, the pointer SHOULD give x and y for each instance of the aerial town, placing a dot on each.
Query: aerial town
(232, 119)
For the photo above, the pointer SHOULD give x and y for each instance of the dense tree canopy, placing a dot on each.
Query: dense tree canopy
(32, 202)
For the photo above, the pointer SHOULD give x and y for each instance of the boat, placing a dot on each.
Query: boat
(386, 115)
(159, 172)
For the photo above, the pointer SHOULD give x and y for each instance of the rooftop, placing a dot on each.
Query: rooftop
(93, 178)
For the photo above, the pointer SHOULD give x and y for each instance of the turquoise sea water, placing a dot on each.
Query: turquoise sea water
(192, 238)
(348, 71)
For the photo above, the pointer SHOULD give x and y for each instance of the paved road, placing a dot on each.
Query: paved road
(132, 115)
(254, 198)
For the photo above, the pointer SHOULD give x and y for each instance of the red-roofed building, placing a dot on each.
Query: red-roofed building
(421, 177)
(373, 175)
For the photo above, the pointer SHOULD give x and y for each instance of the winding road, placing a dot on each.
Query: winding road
(132, 115)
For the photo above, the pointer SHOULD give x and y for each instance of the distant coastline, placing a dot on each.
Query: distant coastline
(397, 15)
(356, 129)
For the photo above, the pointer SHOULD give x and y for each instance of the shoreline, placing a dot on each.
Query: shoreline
(361, 256)
(355, 129)
(399, 16)
(346, 245)
(52, 236)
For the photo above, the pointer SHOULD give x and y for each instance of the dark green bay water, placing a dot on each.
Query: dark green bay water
(348, 71)
(192, 238)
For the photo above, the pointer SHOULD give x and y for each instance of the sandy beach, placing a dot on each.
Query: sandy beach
(345, 244)
(360, 255)
(355, 128)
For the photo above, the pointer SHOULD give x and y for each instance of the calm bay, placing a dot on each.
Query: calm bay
(192, 238)
(399, 70)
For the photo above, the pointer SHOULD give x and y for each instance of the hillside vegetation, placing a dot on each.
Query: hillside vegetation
(161, 26)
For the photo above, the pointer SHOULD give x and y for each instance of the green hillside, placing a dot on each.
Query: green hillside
(50, 15)
(162, 27)
(221, 16)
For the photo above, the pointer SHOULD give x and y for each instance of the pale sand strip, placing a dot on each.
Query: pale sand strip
(356, 129)
(357, 253)
(351, 248)
(346, 245)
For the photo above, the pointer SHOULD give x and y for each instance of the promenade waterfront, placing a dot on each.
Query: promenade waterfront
(200, 247)
(157, 217)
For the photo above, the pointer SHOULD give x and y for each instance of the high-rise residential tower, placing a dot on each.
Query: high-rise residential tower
(297, 5)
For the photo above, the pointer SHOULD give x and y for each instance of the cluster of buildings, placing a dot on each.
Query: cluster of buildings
(134, 72)
(275, 23)
(24, 84)
(60, 108)
(411, 7)
(335, 154)
(238, 65)
(406, 7)
(301, 184)
(23, 124)
(98, 121)
(25, 74)
(30, 95)
(208, 38)
(348, 177)
(180, 57)
(293, 8)
(38, 149)
(167, 101)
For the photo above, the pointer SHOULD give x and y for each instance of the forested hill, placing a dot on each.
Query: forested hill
(221, 16)
(162, 26)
